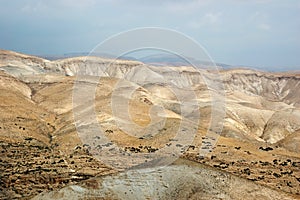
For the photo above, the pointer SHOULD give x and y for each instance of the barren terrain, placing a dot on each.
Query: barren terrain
(50, 142)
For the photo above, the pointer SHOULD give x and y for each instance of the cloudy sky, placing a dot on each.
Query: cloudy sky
(259, 33)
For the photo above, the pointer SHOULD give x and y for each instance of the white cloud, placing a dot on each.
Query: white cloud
(182, 6)
(264, 26)
(33, 7)
(256, 16)
(260, 20)
(252, 1)
(41, 6)
(209, 19)
(78, 4)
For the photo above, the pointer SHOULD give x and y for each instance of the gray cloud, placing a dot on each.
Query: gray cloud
(258, 32)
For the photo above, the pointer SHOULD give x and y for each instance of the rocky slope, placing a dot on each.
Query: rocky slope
(182, 180)
(259, 140)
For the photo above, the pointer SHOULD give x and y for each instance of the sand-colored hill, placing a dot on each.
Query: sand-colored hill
(139, 108)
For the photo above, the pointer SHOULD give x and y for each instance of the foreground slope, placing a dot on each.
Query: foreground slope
(181, 180)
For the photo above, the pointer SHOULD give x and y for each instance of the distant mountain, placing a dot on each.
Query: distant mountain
(82, 54)
(174, 60)
(164, 59)
(155, 59)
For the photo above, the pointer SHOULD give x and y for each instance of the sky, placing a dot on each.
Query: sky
(258, 33)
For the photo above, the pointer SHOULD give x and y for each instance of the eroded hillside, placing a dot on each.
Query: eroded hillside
(41, 145)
